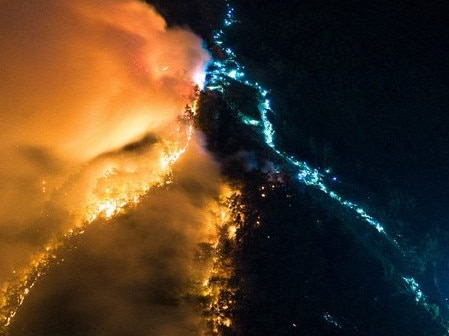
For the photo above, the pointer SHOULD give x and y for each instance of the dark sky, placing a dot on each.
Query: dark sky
(360, 86)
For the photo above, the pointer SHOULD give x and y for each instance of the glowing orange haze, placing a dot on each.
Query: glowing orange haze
(83, 77)
(79, 79)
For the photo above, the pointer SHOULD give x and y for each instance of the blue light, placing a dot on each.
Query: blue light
(221, 73)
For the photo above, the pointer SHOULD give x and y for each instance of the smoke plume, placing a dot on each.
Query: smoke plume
(134, 274)
(91, 92)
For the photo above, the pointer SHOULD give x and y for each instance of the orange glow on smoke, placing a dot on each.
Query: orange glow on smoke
(80, 80)
(118, 189)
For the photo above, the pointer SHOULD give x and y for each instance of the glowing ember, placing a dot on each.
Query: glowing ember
(217, 288)
(115, 192)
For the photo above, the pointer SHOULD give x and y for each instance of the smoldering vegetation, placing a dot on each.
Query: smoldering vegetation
(136, 274)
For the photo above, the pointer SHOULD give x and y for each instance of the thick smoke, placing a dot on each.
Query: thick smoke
(134, 274)
(79, 81)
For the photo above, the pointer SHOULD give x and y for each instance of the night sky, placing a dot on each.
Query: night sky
(361, 88)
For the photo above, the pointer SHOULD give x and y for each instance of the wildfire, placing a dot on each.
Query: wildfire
(217, 287)
(68, 136)
(116, 191)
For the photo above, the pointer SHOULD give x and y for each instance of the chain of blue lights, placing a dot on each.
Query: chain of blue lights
(221, 73)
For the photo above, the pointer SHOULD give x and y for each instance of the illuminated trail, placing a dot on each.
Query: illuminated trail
(113, 195)
(221, 74)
